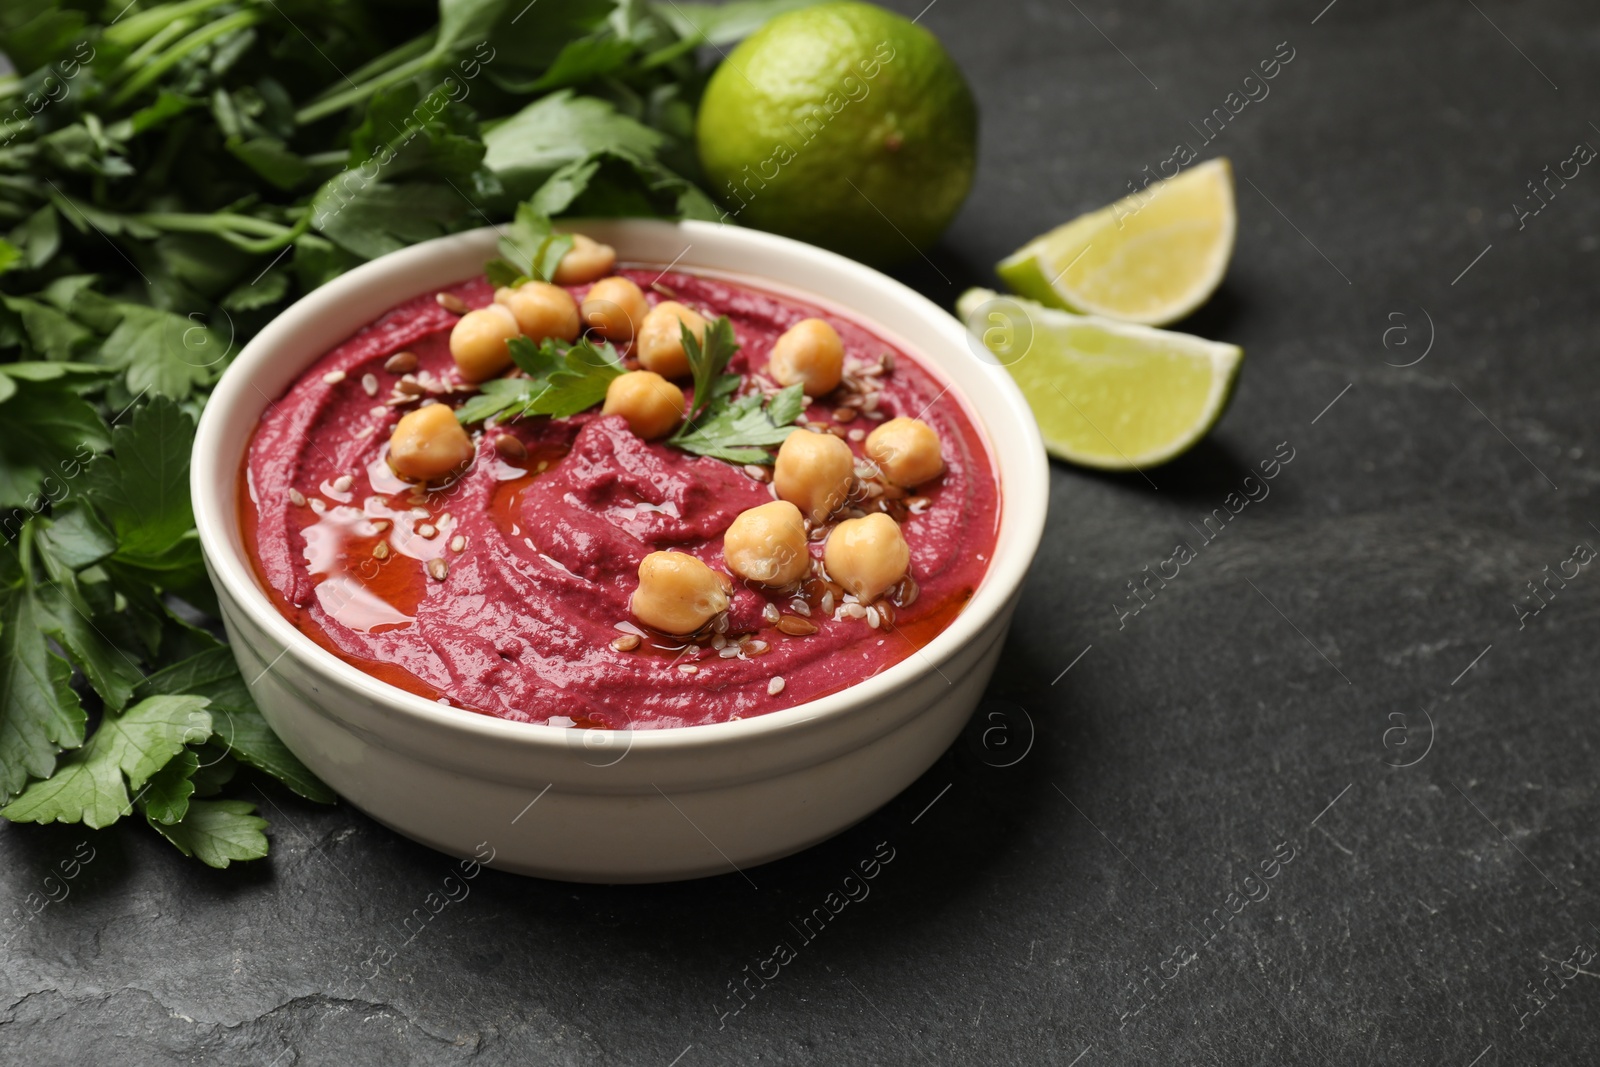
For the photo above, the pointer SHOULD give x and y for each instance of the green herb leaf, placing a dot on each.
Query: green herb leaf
(39, 713)
(163, 353)
(240, 728)
(88, 786)
(561, 382)
(143, 486)
(166, 795)
(217, 832)
(707, 362)
(740, 431)
(529, 249)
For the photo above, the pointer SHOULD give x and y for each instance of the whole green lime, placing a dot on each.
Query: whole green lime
(844, 125)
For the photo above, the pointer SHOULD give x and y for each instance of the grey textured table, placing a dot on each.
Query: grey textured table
(1328, 797)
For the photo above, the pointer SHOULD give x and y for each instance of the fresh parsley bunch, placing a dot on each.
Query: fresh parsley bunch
(172, 174)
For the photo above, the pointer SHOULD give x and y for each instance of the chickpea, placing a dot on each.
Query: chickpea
(677, 593)
(652, 405)
(906, 451)
(813, 472)
(429, 444)
(542, 310)
(867, 556)
(660, 343)
(767, 544)
(615, 309)
(809, 352)
(586, 261)
(478, 342)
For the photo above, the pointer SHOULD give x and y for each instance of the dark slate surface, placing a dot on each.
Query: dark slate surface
(1275, 699)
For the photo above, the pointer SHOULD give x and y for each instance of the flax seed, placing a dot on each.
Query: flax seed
(795, 626)
(843, 414)
(756, 648)
(401, 363)
(508, 447)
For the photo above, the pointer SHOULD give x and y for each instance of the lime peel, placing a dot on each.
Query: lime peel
(1152, 257)
(1111, 395)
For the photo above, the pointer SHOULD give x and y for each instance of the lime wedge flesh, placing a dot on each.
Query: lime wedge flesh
(1151, 257)
(1111, 395)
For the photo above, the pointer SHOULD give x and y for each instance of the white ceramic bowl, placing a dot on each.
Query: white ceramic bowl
(629, 806)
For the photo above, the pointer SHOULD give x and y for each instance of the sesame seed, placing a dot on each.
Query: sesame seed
(380, 524)
(855, 611)
(688, 668)
(318, 506)
(376, 410)
(457, 543)
(857, 434)
(401, 363)
(380, 550)
(333, 377)
(775, 685)
(297, 498)
(437, 569)
(343, 483)
(427, 531)
(827, 603)
(626, 643)
(730, 652)
(756, 471)
(872, 618)
(800, 607)
(769, 614)
(756, 648)
(369, 384)
(452, 302)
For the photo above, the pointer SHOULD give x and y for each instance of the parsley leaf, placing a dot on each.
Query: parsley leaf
(217, 832)
(736, 430)
(239, 725)
(143, 486)
(741, 430)
(88, 786)
(39, 713)
(707, 362)
(530, 250)
(561, 382)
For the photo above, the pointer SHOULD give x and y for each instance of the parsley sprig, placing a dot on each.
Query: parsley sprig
(530, 249)
(561, 380)
(720, 425)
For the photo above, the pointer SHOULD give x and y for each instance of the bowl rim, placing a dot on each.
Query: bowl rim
(1023, 496)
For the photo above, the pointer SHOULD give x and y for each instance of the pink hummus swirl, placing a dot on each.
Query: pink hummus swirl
(504, 592)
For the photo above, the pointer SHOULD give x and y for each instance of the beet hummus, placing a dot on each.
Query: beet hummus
(507, 591)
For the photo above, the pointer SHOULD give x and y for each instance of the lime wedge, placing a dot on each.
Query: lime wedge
(1107, 394)
(1152, 257)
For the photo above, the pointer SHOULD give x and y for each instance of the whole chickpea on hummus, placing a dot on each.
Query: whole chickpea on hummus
(599, 568)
